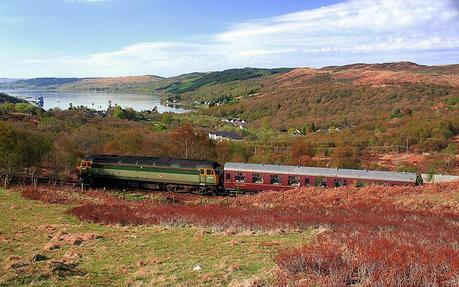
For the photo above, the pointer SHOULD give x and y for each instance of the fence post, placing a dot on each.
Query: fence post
(407, 142)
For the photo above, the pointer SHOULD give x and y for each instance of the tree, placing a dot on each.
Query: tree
(131, 114)
(189, 143)
(34, 148)
(451, 149)
(301, 152)
(346, 157)
(119, 113)
(20, 149)
(7, 107)
(129, 142)
(308, 128)
(63, 157)
(223, 150)
(9, 154)
(166, 118)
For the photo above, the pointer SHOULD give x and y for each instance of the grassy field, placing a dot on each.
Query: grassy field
(372, 236)
(89, 254)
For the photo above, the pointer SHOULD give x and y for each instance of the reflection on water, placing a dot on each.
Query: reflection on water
(97, 101)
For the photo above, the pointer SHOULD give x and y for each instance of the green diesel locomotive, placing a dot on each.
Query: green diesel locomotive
(140, 171)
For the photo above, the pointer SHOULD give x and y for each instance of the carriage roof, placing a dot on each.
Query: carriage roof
(151, 161)
(320, 171)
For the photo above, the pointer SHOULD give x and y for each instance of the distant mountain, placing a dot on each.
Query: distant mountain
(132, 84)
(39, 83)
(78, 83)
(7, 80)
(144, 84)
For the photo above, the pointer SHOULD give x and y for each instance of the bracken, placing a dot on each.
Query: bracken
(375, 236)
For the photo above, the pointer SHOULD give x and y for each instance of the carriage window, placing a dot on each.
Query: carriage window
(210, 172)
(228, 176)
(340, 182)
(294, 180)
(320, 181)
(240, 177)
(307, 182)
(256, 178)
(275, 179)
(360, 184)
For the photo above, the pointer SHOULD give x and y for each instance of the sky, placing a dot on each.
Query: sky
(92, 38)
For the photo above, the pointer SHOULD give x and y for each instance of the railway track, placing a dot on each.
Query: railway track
(78, 184)
(29, 180)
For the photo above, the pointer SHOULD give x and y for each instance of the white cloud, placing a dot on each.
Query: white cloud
(354, 31)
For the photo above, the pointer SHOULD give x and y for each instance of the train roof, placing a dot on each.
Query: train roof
(152, 161)
(320, 171)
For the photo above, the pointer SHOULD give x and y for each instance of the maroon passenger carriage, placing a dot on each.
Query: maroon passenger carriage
(259, 177)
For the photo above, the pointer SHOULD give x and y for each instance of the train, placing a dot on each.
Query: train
(207, 176)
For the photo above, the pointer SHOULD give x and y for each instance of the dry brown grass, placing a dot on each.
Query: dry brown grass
(372, 236)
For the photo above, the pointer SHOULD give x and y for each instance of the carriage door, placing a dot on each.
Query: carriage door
(202, 177)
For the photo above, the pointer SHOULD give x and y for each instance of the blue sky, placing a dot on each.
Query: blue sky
(168, 37)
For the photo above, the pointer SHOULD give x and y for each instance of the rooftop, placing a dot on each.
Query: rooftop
(320, 171)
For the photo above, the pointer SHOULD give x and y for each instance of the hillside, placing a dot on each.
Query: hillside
(134, 84)
(335, 96)
(188, 85)
(5, 98)
(39, 83)
(210, 86)
(350, 95)
(83, 84)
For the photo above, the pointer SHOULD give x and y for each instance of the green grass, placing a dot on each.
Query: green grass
(116, 259)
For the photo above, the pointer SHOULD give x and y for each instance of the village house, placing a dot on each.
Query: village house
(222, 135)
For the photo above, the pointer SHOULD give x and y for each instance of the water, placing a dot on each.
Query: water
(97, 101)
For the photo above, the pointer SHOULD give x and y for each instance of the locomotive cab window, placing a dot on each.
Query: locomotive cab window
(210, 172)
(275, 179)
(240, 177)
(257, 178)
(294, 180)
(203, 171)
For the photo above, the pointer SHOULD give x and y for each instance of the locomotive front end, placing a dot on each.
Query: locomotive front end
(84, 167)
